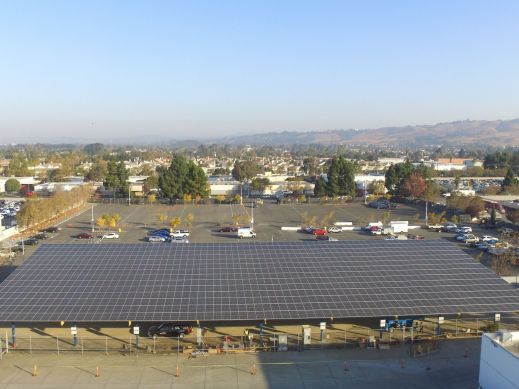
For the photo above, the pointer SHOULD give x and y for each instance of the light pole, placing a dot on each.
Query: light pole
(92, 220)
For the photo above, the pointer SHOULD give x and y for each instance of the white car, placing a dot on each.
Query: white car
(110, 235)
(154, 239)
(334, 229)
(488, 238)
(464, 230)
(180, 234)
(179, 240)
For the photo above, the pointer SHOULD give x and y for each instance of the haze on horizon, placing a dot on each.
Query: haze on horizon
(194, 70)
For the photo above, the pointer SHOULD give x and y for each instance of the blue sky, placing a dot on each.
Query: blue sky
(201, 69)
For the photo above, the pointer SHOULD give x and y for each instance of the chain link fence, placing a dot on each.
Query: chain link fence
(427, 333)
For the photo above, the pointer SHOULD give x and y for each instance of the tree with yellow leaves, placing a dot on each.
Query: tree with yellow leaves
(174, 222)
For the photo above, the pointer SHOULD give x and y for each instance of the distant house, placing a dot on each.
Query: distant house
(450, 164)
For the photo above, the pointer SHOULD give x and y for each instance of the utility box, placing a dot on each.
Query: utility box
(282, 342)
(307, 334)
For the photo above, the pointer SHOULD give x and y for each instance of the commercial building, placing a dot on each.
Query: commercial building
(499, 361)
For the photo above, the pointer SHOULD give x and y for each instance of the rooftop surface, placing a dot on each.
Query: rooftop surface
(253, 281)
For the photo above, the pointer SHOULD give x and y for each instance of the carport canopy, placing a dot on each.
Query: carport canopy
(250, 281)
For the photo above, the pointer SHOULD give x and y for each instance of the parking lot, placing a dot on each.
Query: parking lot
(136, 221)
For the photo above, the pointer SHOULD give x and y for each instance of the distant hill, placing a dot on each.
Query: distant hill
(467, 132)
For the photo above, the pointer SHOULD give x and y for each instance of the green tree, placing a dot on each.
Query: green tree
(245, 171)
(93, 148)
(12, 185)
(493, 217)
(116, 177)
(97, 172)
(396, 175)
(341, 178)
(509, 179)
(183, 177)
(320, 188)
(260, 184)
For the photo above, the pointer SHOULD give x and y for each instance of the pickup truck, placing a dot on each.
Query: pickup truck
(434, 227)
(180, 234)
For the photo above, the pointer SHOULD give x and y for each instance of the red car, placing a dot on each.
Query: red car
(84, 235)
(228, 229)
(319, 231)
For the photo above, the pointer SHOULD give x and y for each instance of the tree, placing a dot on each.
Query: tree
(341, 178)
(319, 188)
(220, 199)
(377, 188)
(101, 222)
(310, 166)
(395, 175)
(152, 182)
(97, 172)
(183, 177)
(221, 171)
(93, 148)
(189, 220)
(116, 177)
(174, 222)
(152, 198)
(509, 179)
(12, 185)
(236, 199)
(493, 217)
(260, 184)
(245, 171)
(414, 186)
(475, 207)
(162, 218)
(432, 191)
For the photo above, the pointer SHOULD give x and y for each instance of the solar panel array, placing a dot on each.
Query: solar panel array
(260, 280)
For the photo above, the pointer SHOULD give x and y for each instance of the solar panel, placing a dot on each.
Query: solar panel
(250, 281)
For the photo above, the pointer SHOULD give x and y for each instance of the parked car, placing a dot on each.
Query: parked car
(170, 330)
(228, 229)
(449, 227)
(488, 238)
(319, 231)
(467, 238)
(162, 231)
(84, 235)
(110, 235)
(180, 234)
(51, 230)
(179, 240)
(334, 229)
(156, 238)
(41, 236)
(435, 227)
(31, 242)
(308, 230)
(463, 230)
(415, 237)
(326, 237)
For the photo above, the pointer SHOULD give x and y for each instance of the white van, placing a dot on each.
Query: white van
(246, 233)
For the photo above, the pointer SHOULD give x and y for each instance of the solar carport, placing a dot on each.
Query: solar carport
(250, 281)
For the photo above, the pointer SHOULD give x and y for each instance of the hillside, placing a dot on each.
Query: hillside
(468, 132)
